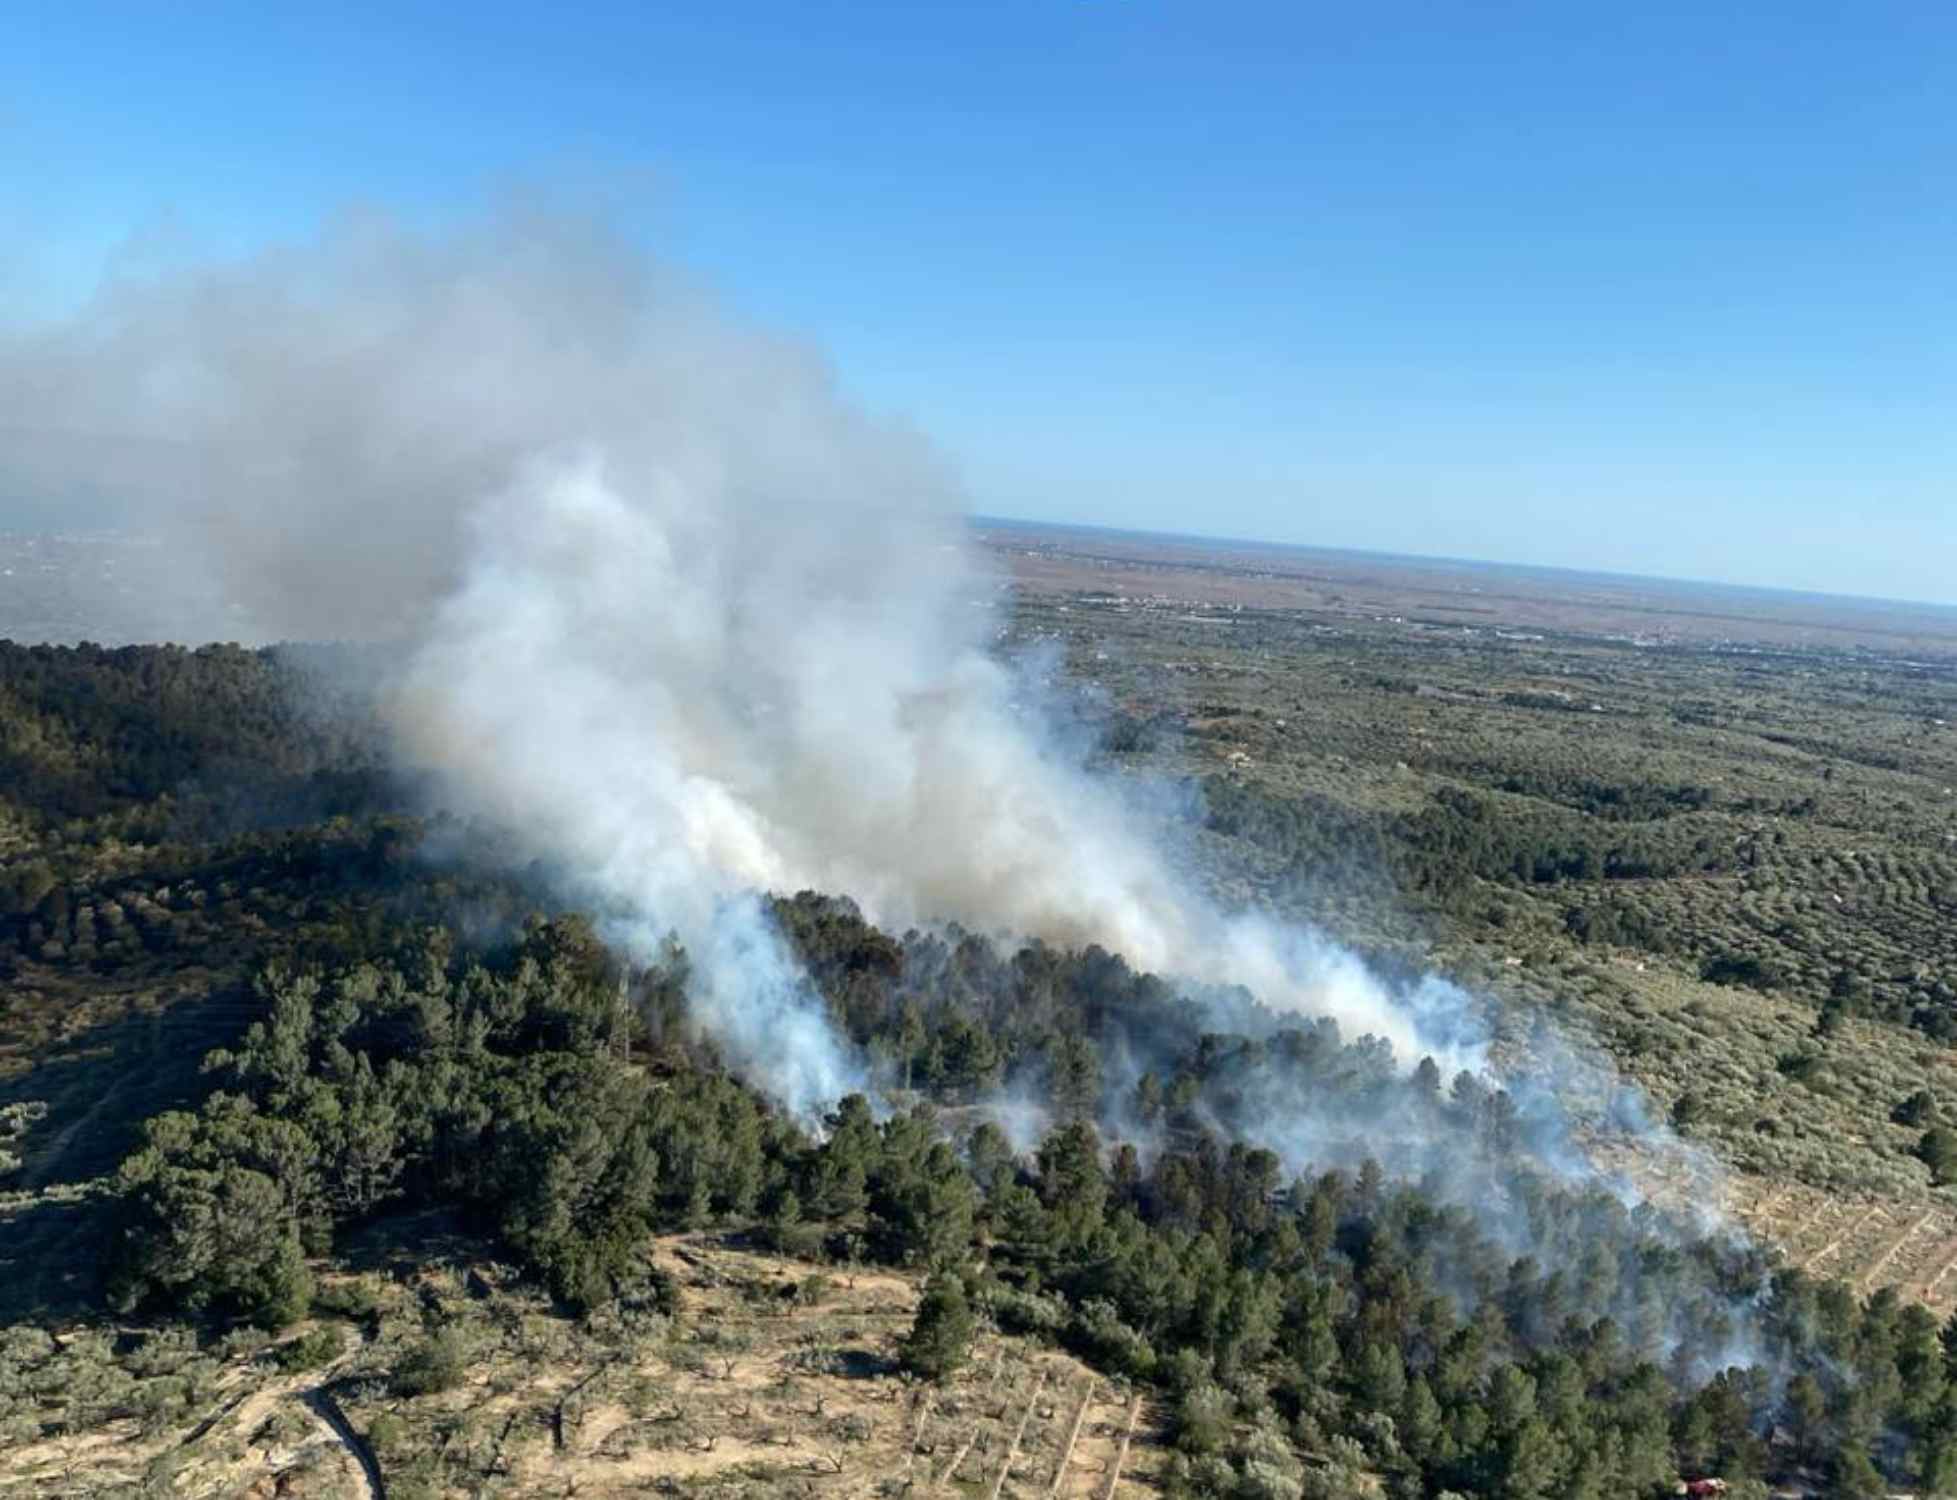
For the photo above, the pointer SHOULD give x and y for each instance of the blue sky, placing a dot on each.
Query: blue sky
(1666, 289)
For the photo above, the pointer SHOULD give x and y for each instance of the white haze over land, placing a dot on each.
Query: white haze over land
(679, 618)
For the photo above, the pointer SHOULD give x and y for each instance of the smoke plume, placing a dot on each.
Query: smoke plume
(677, 615)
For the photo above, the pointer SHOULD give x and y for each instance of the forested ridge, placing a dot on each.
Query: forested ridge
(386, 1030)
(1342, 1311)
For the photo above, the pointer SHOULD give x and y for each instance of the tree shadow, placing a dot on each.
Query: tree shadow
(862, 1364)
(101, 1083)
(51, 1253)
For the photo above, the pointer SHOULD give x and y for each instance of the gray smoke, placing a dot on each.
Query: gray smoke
(679, 617)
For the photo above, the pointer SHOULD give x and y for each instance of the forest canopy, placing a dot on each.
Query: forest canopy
(1407, 1286)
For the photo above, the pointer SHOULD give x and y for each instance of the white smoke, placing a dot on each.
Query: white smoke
(681, 618)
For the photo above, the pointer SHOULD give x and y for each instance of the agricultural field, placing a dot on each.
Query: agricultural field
(1712, 832)
(431, 1370)
(1691, 853)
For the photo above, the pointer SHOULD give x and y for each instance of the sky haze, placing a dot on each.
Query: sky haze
(1657, 290)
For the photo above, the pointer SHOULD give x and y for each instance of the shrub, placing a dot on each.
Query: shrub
(1026, 1312)
(435, 1364)
(353, 1300)
(1916, 1110)
(310, 1350)
(1099, 1332)
(1202, 1418)
(386, 1433)
(1937, 1149)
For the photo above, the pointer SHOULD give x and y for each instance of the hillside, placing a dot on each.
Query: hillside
(1732, 868)
(767, 1376)
(342, 1161)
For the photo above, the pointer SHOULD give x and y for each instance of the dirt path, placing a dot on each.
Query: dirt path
(1127, 1436)
(1019, 1435)
(1073, 1437)
(1814, 1260)
(244, 1411)
(318, 1400)
(1881, 1262)
(978, 1426)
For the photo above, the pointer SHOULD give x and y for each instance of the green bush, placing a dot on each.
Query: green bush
(436, 1364)
(353, 1300)
(1937, 1149)
(310, 1351)
(386, 1433)
(940, 1339)
(1026, 1312)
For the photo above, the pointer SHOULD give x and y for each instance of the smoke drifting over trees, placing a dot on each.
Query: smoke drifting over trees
(700, 647)
(676, 615)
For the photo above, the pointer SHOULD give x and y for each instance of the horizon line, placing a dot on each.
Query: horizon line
(1213, 538)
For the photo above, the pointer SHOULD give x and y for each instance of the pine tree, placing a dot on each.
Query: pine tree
(940, 1339)
(1853, 1476)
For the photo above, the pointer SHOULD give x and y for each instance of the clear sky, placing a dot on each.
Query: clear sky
(1661, 288)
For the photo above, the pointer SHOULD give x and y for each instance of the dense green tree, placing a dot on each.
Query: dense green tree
(940, 1337)
(218, 1237)
(1853, 1476)
(1937, 1148)
(1915, 1110)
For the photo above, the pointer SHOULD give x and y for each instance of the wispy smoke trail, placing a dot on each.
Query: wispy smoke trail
(678, 616)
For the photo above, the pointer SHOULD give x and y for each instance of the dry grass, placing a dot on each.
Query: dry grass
(256, 1435)
(748, 1391)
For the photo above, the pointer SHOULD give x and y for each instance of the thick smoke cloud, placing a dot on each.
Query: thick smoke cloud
(678, 616)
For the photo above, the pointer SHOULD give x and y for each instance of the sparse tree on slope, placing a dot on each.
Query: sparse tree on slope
(940, 1339)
